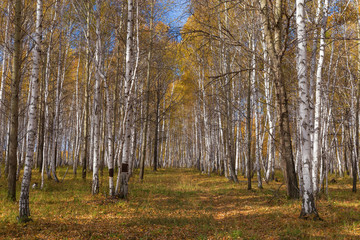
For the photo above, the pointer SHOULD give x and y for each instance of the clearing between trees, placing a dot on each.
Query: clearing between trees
(178, 204)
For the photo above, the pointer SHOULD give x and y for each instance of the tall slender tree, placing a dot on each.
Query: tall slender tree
(147, 92)
(318, 93)
(24, 208)
(97, 105)
(129, 103)
(14, 108)
(273, 17)
(308, 208)
(85, 152)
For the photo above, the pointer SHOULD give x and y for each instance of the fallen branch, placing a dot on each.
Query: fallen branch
(65, 174)
(276, 192)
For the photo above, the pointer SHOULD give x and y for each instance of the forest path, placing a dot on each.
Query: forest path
(177, 204)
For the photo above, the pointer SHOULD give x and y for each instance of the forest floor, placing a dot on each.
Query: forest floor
(178, 204)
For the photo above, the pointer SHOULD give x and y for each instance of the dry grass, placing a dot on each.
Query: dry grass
(177, 204)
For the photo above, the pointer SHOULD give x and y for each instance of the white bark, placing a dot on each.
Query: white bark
(317, 119)
(21, 159)
(146, 122)
(110, 141)
(308, 202)
(313, 67)
(161, 160)
(4, 59)
(255, 106)
(206, 127)
(85, 151)
(56, 121)
(6, 170)
(129, 108)
(220, 137)
(46, 96)
(47, 144)
(78, 122)
(237, 145)
(206, 140)
(97, 104)
(24, 210)
(269, 175)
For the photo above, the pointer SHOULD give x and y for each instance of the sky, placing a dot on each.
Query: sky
(177, 16)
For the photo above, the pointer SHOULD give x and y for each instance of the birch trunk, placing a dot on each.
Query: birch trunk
(97, 104)
(312, 73)
(56, 121)
(358, 99)
(21, 158)
(318, 94)
(308, 208)
(255, 106)
(4, 70)
(47, 144)
(229, 108)
(78, 122)
(85, 152)
(248, 128)
(273, 26)
(110, 137)
(162, 136)
(128, 120)
(146, 122)
(24, 209)
(269, 175)
(40, 138)
(156, 131)
(6, 168)
(114, 122)
(313, 52)
(206, 126)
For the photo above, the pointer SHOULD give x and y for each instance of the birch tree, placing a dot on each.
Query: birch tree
(4, 60)
(357, 103)
(24, 209)
(308, 208)
(47, 143)
(147, 93)
(318, 94)
(85, 154)
(229, 106)
(129, 107)
(269, 175)
(273, 15)
(97, 105)
(56, 121)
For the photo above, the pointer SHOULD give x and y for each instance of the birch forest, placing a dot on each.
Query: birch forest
(179, 119)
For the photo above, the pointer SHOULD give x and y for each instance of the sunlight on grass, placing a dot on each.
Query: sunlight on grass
(177, 204)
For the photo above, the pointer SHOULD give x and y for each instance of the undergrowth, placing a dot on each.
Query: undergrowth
(177, 204)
